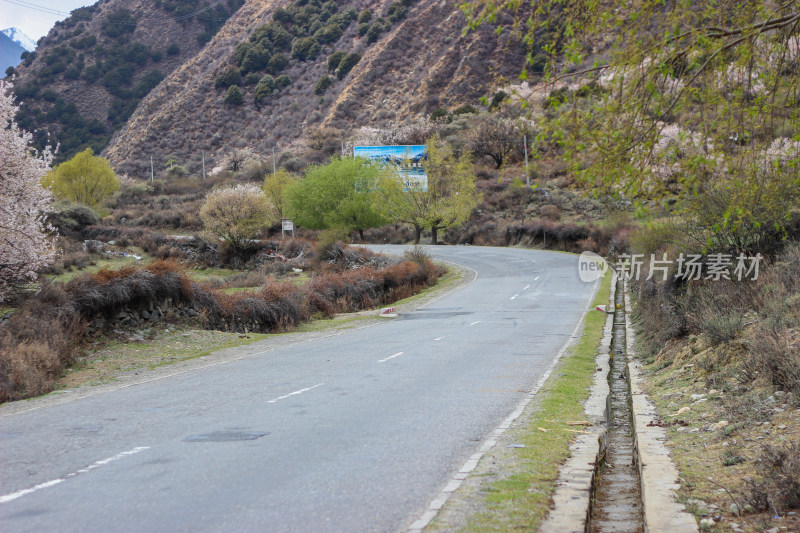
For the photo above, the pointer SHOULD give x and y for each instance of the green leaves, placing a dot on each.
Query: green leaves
(338, 195)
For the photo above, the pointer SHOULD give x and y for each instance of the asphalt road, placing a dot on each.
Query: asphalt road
(354, 432)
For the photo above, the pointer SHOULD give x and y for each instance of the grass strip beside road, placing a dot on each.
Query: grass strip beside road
(519, 496)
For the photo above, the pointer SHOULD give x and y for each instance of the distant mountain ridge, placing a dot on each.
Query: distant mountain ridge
(89, 73)
(19, 37)
(10, 52)
(276, 72)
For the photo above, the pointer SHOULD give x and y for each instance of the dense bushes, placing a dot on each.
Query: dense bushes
(37, 343)
(43, 336)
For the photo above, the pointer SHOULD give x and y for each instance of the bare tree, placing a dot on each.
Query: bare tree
(495, 136)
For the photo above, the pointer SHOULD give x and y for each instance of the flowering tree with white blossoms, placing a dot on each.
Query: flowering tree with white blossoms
(24, 243)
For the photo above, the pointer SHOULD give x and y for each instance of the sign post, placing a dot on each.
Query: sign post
(286, 225)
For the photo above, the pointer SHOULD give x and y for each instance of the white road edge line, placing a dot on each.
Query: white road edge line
(97, 464)
(301, 391)
(398, 354)
(455, 482)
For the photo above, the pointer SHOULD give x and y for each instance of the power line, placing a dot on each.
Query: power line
(37, 7)
(50, 11)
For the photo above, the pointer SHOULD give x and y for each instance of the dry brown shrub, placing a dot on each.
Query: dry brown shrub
(28, 369)
(550, 212)
(37, 343)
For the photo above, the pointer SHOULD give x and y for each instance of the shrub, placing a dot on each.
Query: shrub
(363, 28)
(396, 12)
(234, 96)
(173, 49)
(374, 31)
(277, 63)
(236, 213)
(365, 16)
(328, 34)
(106, 292)
(119, 23)
(231, 76)
(265, 88)
(70, 217)
(305, 48)
(38, 341)
(334, 59)
(550, 212)
(255, 59)
(775, 358)
(282, 82)
(323, 84)
(85, 178)
(779, 488)
(347, 63)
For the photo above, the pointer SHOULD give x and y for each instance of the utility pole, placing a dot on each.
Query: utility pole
(342, 149)
(152, 172)
(204, 163)
(527, 173)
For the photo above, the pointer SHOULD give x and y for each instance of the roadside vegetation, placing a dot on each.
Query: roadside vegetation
(45, 334)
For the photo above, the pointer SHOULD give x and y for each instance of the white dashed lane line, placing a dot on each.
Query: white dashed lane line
(527, 287)
(295, 393)
(476, 322)
(439, 338)
(398, 354)
(97, 464)
(536, 278)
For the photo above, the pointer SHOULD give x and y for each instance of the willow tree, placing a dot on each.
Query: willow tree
(446, 201)
(85, 178)
(672, 100)
(336, 196)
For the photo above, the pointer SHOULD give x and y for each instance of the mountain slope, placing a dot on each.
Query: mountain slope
(89, 73)
(421, 62)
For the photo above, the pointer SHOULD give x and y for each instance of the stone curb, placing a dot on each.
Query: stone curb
(573, 497)
(657, 471)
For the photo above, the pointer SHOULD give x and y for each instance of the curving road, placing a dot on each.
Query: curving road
(353, 432)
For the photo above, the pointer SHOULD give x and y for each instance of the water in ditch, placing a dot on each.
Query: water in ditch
(616, 504)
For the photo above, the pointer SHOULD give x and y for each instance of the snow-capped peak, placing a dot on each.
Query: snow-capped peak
(16, 35)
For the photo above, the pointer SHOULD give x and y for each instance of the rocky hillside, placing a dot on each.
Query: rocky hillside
(90, 72)
(407, 59)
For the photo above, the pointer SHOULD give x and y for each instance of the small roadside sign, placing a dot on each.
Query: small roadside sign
(286, 225)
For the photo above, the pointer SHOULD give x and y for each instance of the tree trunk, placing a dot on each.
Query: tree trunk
(434, 235)
(361, 234)
(417, 233)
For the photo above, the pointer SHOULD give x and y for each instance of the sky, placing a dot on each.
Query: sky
(36, 17)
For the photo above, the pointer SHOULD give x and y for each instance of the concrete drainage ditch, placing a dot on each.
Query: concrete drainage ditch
(620, 476)
(617, 497)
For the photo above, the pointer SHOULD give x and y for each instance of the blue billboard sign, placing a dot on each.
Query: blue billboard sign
(408, 162)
